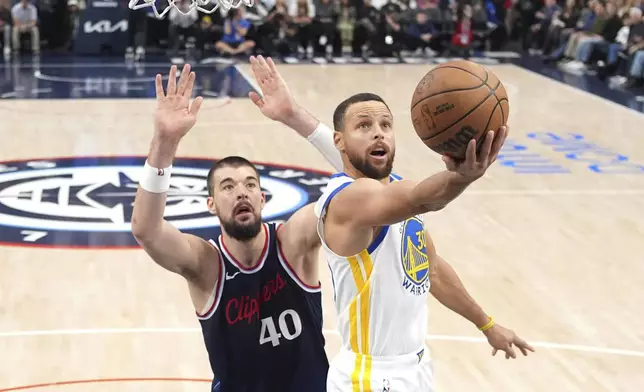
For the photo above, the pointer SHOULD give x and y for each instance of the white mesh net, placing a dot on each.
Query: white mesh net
(201, 5)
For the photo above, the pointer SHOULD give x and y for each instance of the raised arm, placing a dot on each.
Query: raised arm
(448, 289)
(300, 244)
(383, 204)
(177, 252)
(277, 103)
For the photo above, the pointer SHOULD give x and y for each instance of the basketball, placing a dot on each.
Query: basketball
(455, 102)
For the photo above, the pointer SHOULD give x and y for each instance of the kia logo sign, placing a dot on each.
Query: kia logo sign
(105, 27)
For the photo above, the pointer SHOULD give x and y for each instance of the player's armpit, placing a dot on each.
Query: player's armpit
(300, 243)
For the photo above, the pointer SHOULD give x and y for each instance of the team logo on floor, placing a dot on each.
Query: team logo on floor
(88, 202)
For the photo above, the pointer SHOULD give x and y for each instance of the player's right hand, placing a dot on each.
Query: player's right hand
(276, 102)
(476, 164)
(174, 115)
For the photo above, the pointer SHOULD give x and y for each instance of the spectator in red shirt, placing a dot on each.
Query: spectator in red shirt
(463, 36)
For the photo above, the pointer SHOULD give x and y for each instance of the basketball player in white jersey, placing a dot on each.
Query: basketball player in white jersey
(382, 260)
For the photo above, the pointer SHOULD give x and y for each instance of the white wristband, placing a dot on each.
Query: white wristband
(155, 180)
(322, 139)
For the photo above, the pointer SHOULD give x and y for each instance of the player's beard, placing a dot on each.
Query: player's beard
(242, 231)
(361, 163)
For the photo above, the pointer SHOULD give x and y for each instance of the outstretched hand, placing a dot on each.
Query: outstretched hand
(502, 339)
(276, 102)
(473, 167)
(174, 115)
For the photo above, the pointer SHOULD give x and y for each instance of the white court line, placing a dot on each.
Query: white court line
(112, 331)
(64, 79)
(249, 79)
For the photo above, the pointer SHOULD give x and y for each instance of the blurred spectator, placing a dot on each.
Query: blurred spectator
(236, 28)
(419, 33)
(367, 18)
(623, 7)
(278, 33)
(562, 25)
(303, 14)
(25, 23)
(279, 9)
(325, 29)
(346, 21)
(136, 32)
(612, 51)
(5, 25)
(426, 4)
(463, 36)
(635, 49)
(526, 17)
(497, 32)
(589, 26)
(389, 34)
(74, 9)
(607, 36)
(210, 30)
(538, 31)
(270, 22)
(183, 22)
(593, 34)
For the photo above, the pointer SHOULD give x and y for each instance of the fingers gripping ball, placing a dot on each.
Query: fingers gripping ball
(455, 102)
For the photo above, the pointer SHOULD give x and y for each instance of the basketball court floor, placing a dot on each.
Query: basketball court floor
(549, 242)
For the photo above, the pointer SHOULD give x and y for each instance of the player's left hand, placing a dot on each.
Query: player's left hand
(501, 338)
(277, 102)
(476, 164)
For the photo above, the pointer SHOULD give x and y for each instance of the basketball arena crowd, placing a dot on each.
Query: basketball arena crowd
(605, 37)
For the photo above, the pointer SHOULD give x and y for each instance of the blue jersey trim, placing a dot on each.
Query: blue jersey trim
(335, 192)
(395, 177)
(339, 175)
(376, 243)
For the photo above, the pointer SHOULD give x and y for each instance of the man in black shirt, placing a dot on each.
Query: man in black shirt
(367, 18)
(388, 39)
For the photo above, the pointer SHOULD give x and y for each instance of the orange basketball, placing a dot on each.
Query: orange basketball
(455, 102)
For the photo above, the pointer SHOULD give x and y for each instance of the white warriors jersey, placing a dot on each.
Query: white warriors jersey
(380, 294)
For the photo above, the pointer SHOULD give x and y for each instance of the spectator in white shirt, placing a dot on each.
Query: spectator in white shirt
(25, 21)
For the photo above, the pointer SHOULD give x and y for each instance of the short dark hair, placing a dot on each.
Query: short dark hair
(341, 110)
(230, 161)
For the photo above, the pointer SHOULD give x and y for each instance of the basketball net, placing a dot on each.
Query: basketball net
(225, 5)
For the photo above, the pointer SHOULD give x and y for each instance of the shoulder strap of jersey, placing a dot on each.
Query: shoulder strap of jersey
(338, 182)
(272, 245)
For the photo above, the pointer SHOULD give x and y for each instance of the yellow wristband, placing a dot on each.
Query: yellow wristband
(488, 325)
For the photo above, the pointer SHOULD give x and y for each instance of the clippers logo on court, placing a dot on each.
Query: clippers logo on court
(88, 202)
(414, 257)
